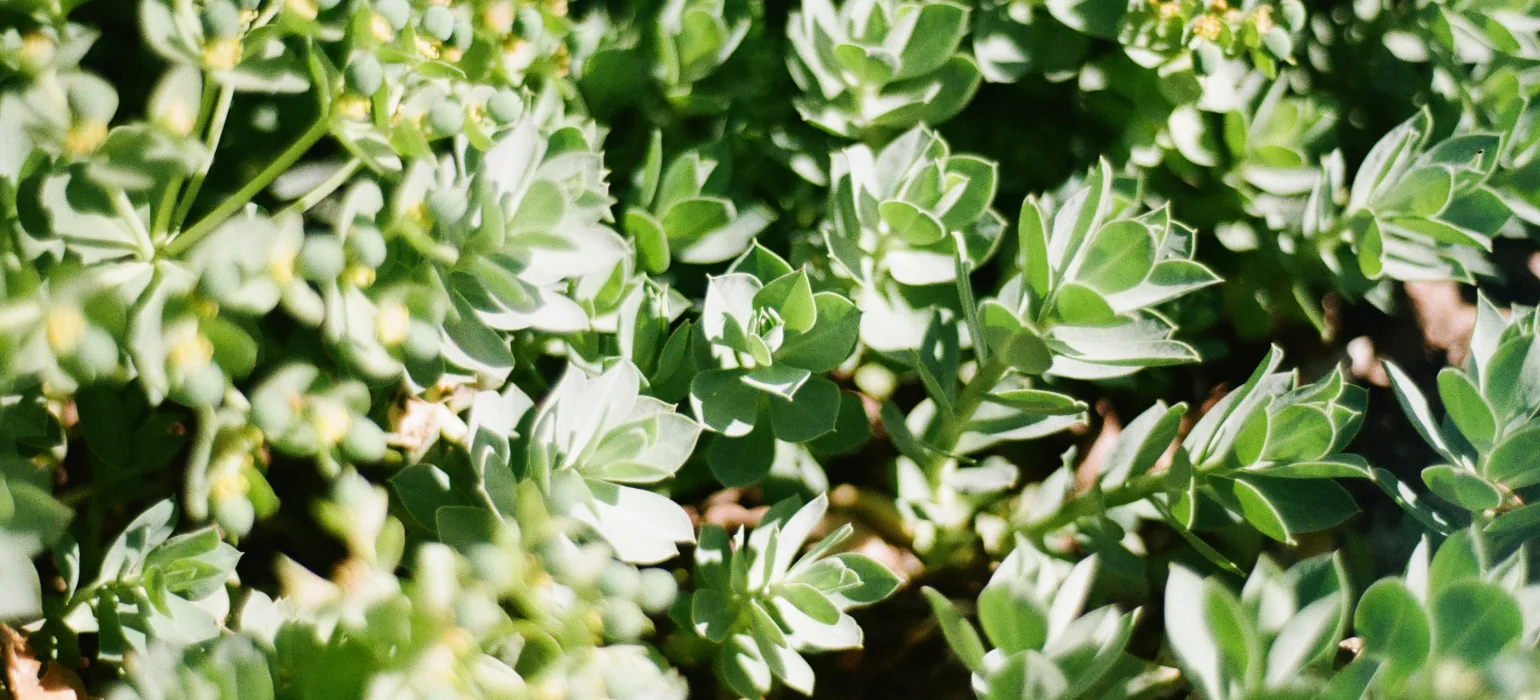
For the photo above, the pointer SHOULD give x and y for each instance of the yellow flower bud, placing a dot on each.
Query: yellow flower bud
(37, 51)
(222, 54)
(281, 266)
(331, 421)
(499, 17)
(354, 107)
(178, 118)
(64, 327)
(306, 9)
(427, 48)
(190, 354)
(393, 323)
(1208, 27)
(359, 275)
(381, 28)
(1263, 19)
(85, 137)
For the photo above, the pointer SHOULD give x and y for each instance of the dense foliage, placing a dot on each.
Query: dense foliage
(639, 349)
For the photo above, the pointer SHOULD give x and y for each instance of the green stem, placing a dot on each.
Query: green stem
(130, 216)
(1131, 491)
(325, 189)
(950, 429)
(168, 198)
(211, 143)
(279, 166)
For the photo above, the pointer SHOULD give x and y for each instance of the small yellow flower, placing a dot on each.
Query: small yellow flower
(179, 118)
(451, 55)
(64, 327)
(427, 48)
(222, 54)
(1263, 19)
(561, 60)
(359, 275)
(499, 17)
(190, 354)
(1208, 27)
(381, 28)
(1168, 10)
(281, 266)
(331, 421)
(85, 137)
(393, 323)
(418, 213)
(354, 107)
(306, 9)
(229, 477)
(37, 51)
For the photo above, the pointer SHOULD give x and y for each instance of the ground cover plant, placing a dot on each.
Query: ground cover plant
(637, 350)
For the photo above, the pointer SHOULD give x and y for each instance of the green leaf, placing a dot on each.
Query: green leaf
(1409, 501)
(1415, 406)
(1189, 634)
(908, 222)
(1012, 341)
(713, 613)
(780, 381)
(1142, 443)
(1462, 487)
(1307, 637)
(792, 297)
(1298, 433)
(937, 359)
(1038, 402)
(1098, 18)
(1394, 626)
(812, 412)
(1474, 621)
(831, 339)
(1012, 616)
(743, 668)
(876, 581)
(1462, 557)
(1118, 257)
(724, 402)
(713, 553)
(1371, 245)
(1515, 462)
(1079, 305)
(852, 427)
(651, 240)
(1279, 508)
(959, 633)
(745, 460)
(1034, 248)
(1467, 408)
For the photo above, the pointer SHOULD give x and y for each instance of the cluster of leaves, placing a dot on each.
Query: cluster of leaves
(406, 348)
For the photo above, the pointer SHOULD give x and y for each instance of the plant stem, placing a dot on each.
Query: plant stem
(168, 198)
(1136, 489)
(130, 216)
(324, 190)
(319, 83)
(952, 426)
(233, 204)
(211, 143)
